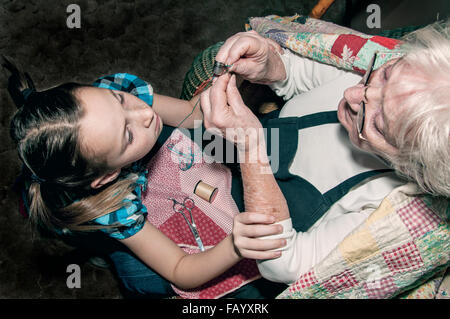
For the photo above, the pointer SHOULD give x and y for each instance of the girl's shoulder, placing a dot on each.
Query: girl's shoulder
(128, 83)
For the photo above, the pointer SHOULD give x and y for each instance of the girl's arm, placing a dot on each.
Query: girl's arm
(170, 261)
(190, 271)
(173, 111)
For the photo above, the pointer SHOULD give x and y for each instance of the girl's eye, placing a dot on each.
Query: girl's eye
(119, 96)
(130, 136)
(121, 99)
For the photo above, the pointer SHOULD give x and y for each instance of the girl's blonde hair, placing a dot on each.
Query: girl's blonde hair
(56, 170)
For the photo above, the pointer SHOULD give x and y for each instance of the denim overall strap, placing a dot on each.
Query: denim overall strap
(336, 193)
(306, 203)
(317, 119)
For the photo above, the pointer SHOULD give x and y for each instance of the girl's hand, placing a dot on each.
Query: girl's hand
(247, 227)
(253, 57)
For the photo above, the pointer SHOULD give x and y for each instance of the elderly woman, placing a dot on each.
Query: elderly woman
(396, 116)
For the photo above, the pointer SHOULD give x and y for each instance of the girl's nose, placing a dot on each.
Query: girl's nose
(146, 115)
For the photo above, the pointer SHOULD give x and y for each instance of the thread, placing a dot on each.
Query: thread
(223, 68)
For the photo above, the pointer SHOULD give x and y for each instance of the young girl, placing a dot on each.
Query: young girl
(86, 152)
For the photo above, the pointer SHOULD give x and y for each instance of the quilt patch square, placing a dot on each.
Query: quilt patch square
(383, 210)
(404, 258)
(365, 54)
(385, 42)
(344, 280)
(381, 289)
(306, 280)
(418, 218)
(358, 246)
(347, 45)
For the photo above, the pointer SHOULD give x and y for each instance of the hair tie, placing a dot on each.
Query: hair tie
(27, 92)
(37, 179)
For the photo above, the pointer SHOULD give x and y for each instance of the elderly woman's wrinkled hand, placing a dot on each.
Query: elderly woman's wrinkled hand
(225, 113)
(253, 57)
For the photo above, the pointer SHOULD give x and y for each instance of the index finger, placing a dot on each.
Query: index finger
(237, 46)
(222, 54)
(205, 104)
(218, 93)
(255, 218)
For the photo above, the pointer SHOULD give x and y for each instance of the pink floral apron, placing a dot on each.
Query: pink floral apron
(172, 176)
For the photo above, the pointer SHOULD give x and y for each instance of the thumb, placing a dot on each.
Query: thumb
(233, 96)
(218, 95)
(240, 67)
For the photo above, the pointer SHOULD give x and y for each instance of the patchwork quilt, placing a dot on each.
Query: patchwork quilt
(327, 42)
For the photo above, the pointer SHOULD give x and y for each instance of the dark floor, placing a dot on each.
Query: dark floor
(156, 40)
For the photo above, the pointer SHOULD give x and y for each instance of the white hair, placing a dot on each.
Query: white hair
(424, 129)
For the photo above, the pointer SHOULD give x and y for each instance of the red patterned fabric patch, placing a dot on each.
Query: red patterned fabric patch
(342, 281)
(348, 45)
(418, 218)
(177, 229)
(386, 42)
(403, 258)
(360, 71)
(306, 280)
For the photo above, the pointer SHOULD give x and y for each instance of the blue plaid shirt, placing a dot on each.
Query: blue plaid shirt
(129, 219)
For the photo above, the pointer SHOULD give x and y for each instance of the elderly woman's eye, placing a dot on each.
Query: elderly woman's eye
(387, 71)
(377, 126)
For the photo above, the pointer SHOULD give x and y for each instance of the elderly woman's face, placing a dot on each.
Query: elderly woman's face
(384, 109)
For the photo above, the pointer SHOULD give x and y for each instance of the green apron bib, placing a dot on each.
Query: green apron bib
(306, 203)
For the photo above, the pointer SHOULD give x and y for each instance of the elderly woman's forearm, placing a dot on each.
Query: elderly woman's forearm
(261, 191)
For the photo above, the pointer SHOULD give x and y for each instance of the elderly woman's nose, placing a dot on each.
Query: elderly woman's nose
(354, 94)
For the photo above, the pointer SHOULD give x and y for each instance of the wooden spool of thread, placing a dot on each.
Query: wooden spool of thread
(205, 191)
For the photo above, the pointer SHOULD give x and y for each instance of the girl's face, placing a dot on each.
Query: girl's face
(117, 126)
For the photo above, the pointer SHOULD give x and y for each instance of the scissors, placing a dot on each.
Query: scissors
(184, 208)
(185, 160)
